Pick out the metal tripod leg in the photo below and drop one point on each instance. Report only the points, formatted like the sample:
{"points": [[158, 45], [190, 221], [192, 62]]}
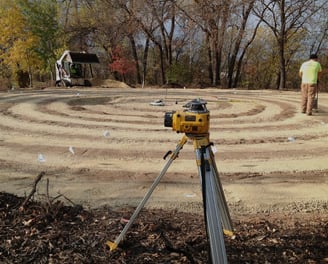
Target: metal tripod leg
{"points": [[225, 216], [174, 155], [215, 206]]}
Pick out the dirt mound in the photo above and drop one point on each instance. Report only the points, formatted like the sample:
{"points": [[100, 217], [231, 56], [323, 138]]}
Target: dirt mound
{"points": [[109, 83], [49, 231]]}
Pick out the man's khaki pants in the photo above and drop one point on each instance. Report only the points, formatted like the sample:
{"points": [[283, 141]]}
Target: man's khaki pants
{"points": [[308, 96]]}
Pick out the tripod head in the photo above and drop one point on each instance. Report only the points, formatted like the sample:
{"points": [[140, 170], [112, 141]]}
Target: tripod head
{"points": [[194, 120]]}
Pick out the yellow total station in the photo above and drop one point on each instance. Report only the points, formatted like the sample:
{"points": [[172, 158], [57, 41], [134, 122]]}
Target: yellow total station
{"points": [[195, 119]]}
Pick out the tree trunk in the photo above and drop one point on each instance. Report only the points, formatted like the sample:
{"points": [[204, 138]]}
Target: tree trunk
{"points": [[217, 68], [135, 56], [144, 62], [216, 52], [233, 58], [161, 57], [210, 61], [282, 83], [238, 70], [281, 42]]}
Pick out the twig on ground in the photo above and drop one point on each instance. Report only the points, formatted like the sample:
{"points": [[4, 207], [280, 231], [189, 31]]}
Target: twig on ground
{"points": [[56, 197], [68, 199], [48, 199], [37, 179], [170, 247]]}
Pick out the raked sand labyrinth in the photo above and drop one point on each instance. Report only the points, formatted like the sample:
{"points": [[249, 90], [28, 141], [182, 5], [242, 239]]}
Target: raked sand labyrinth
{"points": [[105, 146]]}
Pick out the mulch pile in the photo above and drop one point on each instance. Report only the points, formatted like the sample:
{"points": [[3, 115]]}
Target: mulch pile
{"points": [[50, 231]]}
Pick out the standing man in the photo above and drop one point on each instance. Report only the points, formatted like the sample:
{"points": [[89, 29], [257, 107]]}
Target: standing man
{"points": [[309, 72]]}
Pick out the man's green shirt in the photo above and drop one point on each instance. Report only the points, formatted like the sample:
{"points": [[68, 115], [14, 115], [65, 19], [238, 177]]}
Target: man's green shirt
{"points": [[310, 70]]}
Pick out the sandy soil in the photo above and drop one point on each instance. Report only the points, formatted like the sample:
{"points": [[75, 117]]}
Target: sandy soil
{"points": [[105, 146]]}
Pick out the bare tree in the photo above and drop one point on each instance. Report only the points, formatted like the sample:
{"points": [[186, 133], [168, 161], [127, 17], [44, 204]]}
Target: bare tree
{"points": [[110, 29], [157, 20], [317, 31], [285, 18], [241, 37], [212, 18]]}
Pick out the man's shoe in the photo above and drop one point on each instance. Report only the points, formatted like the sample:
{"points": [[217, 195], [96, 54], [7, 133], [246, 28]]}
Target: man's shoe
{"points": [[309, 114]]}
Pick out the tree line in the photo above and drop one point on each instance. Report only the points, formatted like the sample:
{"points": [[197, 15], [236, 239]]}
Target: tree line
{"points": [[199, 43]]}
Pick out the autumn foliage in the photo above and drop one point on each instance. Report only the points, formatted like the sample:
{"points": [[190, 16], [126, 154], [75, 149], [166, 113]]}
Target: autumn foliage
{"points": [[120, 64]]}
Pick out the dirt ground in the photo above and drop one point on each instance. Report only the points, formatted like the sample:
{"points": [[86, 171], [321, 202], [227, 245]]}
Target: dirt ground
{"points": [[104, 146]]}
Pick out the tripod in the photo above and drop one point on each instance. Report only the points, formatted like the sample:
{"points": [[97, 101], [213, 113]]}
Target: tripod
{"points": [[316, 99], [215, 205]]}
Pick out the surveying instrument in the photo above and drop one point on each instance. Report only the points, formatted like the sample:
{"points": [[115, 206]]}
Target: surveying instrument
{"points": [[194, 122]]}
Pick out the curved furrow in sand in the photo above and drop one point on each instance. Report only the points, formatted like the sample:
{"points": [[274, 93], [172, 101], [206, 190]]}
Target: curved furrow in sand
{"points": [[115, 139]]}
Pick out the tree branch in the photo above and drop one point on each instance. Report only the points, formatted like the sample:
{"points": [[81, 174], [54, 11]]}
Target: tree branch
{"points": [[37, 179]]}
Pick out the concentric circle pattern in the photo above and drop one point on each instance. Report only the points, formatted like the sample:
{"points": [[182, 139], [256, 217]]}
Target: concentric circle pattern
{"points": [[105, 146]]}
